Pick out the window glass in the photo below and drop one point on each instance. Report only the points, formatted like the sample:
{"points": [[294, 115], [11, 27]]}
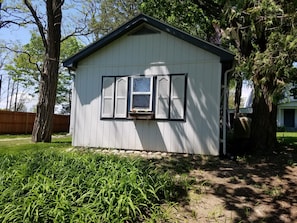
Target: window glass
{"points": [[142, 84], [141, 101]]}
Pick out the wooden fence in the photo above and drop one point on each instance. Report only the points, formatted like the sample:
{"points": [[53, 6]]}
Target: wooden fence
{"points": [[22, 122]]}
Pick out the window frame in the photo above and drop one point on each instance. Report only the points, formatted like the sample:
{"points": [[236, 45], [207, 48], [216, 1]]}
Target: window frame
{"points": [[150, 93], [151, 112]]}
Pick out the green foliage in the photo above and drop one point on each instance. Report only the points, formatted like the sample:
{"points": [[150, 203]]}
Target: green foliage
{"points": [[48, 186], [264, 38], [184, 15], [24, 66], [107, 15], [27, 64], [68, 47]]}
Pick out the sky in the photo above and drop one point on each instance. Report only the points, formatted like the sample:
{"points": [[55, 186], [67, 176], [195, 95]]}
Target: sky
{"points": [[22, 36], [15, 34]]}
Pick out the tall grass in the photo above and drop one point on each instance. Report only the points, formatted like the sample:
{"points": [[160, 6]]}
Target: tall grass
{"points": [[53, 186]]}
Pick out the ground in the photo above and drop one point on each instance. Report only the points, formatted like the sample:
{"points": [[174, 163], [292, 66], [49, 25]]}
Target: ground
{"points": [[253, 188], [256, 190]]}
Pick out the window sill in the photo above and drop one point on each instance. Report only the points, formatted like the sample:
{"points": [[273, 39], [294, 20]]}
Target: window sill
{"points": [[141, 115]]}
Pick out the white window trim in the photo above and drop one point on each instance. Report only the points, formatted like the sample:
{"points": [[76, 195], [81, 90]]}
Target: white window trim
{"points": [[150, 93]]}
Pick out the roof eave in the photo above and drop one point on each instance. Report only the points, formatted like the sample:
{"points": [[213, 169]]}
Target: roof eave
{"points": [[71, 63]]}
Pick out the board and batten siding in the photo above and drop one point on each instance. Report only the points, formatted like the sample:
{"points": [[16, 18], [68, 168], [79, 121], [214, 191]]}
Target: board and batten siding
{"points": [[150, 54]]}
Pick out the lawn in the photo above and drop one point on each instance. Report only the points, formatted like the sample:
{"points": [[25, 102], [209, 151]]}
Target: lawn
{"points": [[44, 183], [289, 138]]}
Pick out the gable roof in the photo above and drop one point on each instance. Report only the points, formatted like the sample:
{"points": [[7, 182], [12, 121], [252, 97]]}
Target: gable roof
{"points": [[72, 61]]}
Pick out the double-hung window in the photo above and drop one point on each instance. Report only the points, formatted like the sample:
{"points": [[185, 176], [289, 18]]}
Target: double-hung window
{"points": [[141, 94], [159, 96]]}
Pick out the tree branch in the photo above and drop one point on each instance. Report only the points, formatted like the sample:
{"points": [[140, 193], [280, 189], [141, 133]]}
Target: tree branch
{"points": [[23, 52], [38, 22]]}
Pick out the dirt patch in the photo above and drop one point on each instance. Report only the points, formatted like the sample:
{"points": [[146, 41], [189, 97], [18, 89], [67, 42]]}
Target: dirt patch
{"points": [[262, 189]]}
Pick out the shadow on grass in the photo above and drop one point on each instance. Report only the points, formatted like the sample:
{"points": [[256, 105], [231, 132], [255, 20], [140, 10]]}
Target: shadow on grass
{"points": [[65, 141], [261, 188]]}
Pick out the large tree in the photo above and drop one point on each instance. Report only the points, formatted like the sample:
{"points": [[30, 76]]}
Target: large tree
{"points": [[263, 33], [185, 15], [263, 36], [27, 66], [107, 15], [46, 17], [51, 38]]}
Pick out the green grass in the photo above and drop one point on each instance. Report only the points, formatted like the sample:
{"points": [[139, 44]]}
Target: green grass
{"points": [[286, 134], [21, 143], [41, 182], [44, 183], [8, 136], [287, 138]]}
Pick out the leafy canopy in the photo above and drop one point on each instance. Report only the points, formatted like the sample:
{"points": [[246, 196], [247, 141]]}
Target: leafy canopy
{"points": [[27, 65]]}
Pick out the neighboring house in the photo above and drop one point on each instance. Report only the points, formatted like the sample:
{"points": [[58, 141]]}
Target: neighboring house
{"points": [[287, 110], [149, 86], [287, 115]]}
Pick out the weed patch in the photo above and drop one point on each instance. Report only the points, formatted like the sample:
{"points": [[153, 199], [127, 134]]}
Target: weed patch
{"points": [[52, 186]]}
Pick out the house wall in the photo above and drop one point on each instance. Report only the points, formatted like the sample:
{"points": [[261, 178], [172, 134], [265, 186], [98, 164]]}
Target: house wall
{"points": [[149, 54], [281, 111]]}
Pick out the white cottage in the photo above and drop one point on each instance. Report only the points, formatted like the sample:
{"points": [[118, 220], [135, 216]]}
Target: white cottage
{"points": [[287, 110], [287, 115], [149, 86]]}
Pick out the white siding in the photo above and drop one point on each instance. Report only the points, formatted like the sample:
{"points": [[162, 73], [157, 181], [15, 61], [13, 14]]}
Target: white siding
{"points": [[150, 54], [280, 113]]}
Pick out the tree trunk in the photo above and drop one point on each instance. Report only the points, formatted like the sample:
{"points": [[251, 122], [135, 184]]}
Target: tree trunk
{"points": [[16, 96], [263, 127], [43, 124]]}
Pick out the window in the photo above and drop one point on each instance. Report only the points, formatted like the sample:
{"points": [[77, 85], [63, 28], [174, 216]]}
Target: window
{"points": [[141, 94], [161, 96]]}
